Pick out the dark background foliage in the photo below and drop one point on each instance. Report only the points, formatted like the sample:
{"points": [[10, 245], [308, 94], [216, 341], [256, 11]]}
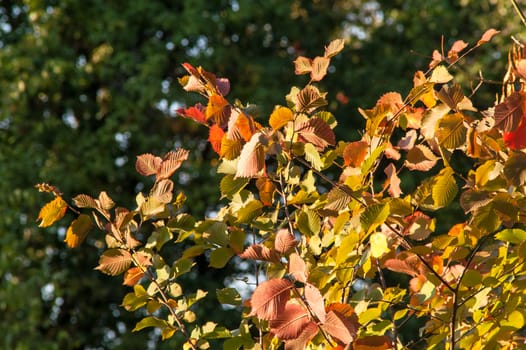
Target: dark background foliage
{"points": [[87, 86]]}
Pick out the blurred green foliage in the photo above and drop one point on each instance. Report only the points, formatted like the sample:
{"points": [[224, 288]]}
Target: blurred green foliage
{"points": [[87, 86]]}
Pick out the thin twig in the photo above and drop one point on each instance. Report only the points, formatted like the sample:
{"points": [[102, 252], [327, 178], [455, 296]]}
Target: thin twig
{"points": [[519, 11]]}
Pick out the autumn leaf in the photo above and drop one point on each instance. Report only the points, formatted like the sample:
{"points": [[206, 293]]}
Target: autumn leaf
{"points": [[260, 252], [342, 328], [215, 137], [280, 117], [401, 266], [457, 47], [284, 241], [171, 162], [77, 231], [319, 68], [132, 276], [302, 65], [393, 181], [148, 164], [355, 152], [487, 36], [85, 201], [317, 132], [52, 212], [218, 110], [252, 157], [290, 323], [114, 261], [510, 112], [270, 297], [314, 298], [298, 268], [162, 191], [308, 332], [266, 189], [195, 113], [440, 75], [420, 158], [309, 99], [373, 342], [516, 139], [379, 245], [334, 48]]}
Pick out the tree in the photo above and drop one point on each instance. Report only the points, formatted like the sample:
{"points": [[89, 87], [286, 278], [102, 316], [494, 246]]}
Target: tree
{"points": [[78, 91]]}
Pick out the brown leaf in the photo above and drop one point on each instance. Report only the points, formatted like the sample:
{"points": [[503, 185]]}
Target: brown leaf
{"points": [[354, 153], [316, 131], [373, 342], [319, 68], [162, 191], [171, 162], [487, 36], [451, 96], [77, 231], [509, 112], [284, 241], [114, 261], [252, 157], [266, 189], [309, 98], [298, 268], [314, 298], [401, 266], [260, 252], [270, 297], [345, 310], [85, 201], [290, 323], [52, 212], [420, 158], [105, 202], [341, 328], [147, 164]]}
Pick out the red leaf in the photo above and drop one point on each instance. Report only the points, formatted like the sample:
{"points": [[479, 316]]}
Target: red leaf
{"points": [[284, 241], [252, 157], [291, 322], [315, 300], [195, 112], [516, 139], [260, 252], [270, 297], [171, 162], [339, 327], [487, 36], [215, 137], [297, 267], [147, 164], [510, 112], [317, 132]]}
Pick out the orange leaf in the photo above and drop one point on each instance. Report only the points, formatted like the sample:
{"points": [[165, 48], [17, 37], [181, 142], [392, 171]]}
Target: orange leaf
{"points": [[315, 300], [373, 342], [52, 212], [308, 332], [171, 162], [334, 48], [245, 126], [355, 153], [341, 328], [487, 36], [132, 276], [215, 137], [400, 266], [266, 190], [270, 297], [77, 231], [319, 68], [284, 241], [217, 109], [291, 322], [147, 164], [393, 181], [456, 48], [195, 112], [280, 117], [114, 261], [297, 267]]}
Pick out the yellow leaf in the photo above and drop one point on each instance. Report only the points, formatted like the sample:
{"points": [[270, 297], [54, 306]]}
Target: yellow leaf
{"points": [[280, 117], [77, 231], [52, 212], [378, 245]]}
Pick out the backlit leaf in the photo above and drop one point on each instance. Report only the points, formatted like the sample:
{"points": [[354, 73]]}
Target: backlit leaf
{"points": [[194, 112], [373, 342], [342, 328], [451, 131], [309, 98], [147, 164], [509, 112], [302, 65], [516, 139], [231, 185], [290, 323], [487, 36], [299, 343], [373, 216], [231, 149], [52, 212], [316, 302], [218, 109], [260, 252], [132, 276], [280, 117], [150, 321], [78, 230], [440, 75], [444, 188], [355, 153], [312, 156], [270, 297], [401, 266], [334, 48], [284, 241], [451, 96], [379, 245], [393, 181], [338, 199], [85, 201], [298, 268], [317, 132], [171, 162], [215, 137], [114, 261], [252, 157], [516, 236], [319, 68], [162, 191], [266, 189]]}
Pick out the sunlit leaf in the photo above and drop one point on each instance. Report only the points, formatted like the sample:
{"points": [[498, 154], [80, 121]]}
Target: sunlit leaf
{"points": [[355, 153], [114, 261], [451, 96], [420, 158], [290, 323], [85, 201], [317, 132], [195, 113], [309, 98], [440, 75], [270, 297], [171, 162], [444, 188], [228, 296], [260, 252], [319, 68], [162, 191], [379, 245], [218, 109], [393, 181], [150, 321], [280, 117], [298, 268], [373, 216], [302, 65], [373, 342], [78, 230], [215, 137], [132, 276], [147, 164], [266, 189], [231, 185], [342, 328], [252, 157], [451, 131], [315, 300], [284, 241], [509, 112], [219, 257], [52, 212], [487, 36], [334, 48], [516, 236]]}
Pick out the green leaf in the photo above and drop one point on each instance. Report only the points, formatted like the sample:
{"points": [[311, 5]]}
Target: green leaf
{"points": [[231, 185], [220, 257], [182, 266], [373, 216], [249, 212], [150, 321], [229, 296], [451, 131], [135, 300], [444, 188], [308, 222], [472, 278], [370, 161], [313, 157], [512, 235]]}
